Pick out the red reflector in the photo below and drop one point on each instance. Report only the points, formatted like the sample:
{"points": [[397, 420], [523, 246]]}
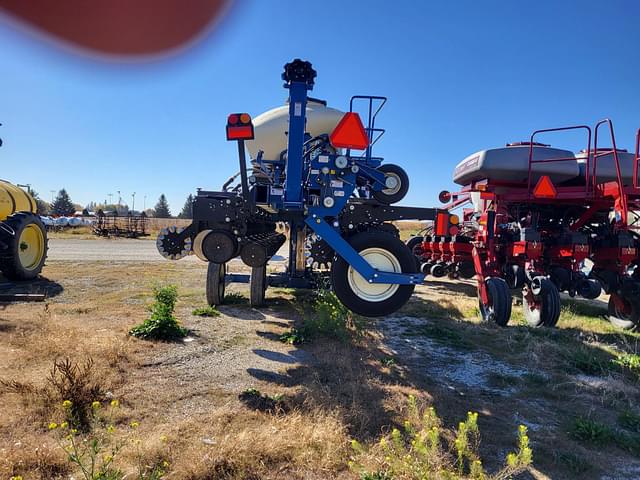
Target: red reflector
{"points": [[442, 224], [453, 231], [349, 133], [545, 188], [233, 119], [243, 132]]}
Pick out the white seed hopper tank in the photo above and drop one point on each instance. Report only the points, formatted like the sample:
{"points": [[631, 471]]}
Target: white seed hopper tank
{"points": [[606, 168], [511, 164], [270, 128]]}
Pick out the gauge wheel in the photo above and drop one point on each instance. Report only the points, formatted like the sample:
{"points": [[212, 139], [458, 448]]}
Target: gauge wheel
{"points": [[257, 286], [216, 273], [626, 318], [545, 310], [26, 250], [384, 252], [397, 184], [498, 308]]}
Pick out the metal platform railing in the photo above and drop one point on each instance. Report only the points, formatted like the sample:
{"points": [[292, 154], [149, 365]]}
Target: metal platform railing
{"points": [[373, 132], [532, 161]]}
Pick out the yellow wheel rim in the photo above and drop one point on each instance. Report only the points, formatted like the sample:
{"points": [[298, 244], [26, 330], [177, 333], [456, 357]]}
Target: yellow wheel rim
{"points": [[31, 247]]}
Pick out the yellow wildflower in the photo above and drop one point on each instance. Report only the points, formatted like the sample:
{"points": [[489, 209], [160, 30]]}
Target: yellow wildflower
{"points": [[134, 425], [16, 477], [64, 425], [111, 429], [165, 464], [163, 438], [53, 426], [115, 403], [67, 404], [95, 405]]}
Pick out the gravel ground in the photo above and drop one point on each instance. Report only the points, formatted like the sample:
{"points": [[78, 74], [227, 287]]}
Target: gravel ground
{"points": [[121, 250]]}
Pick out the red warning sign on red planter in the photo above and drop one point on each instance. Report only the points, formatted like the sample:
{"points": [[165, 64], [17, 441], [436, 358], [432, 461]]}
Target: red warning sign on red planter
{"points": [[545, 188]]}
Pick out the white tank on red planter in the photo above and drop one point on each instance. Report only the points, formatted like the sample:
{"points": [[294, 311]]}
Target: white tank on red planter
{"points": [[511, 164]]}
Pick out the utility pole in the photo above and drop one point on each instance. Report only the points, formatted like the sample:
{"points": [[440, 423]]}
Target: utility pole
{"points": [[133, 202], [119, 198], [53, 192], [144, 204], [109, 195]]}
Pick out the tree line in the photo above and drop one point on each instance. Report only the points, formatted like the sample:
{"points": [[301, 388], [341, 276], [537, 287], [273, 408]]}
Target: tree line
{"points": [[62, 205]]}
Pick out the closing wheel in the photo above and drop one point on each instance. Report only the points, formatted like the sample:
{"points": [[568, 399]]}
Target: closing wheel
{"points": [[257, 286], [498, 308], [385, 253], [622, 314], [26, 250], [216, 273], [397, 183], [541, 303]]}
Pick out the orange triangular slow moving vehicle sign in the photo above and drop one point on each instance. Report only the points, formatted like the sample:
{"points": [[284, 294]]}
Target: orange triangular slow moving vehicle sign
{"points": [[349, 133], [545, 188]]}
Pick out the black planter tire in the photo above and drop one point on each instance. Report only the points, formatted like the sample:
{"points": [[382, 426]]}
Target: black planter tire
{"points": [[215, 287], [547, 295], [26, 250], [392, 195], [412, 243], [257, 286], [498, 310], [623, 320], [382, 251]]}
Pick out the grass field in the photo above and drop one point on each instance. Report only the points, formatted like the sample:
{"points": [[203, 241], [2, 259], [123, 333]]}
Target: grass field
{"points": [[233, 401]]}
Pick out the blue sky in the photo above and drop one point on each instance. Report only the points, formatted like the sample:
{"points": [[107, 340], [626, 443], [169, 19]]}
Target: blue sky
{"points": [[460, 76]]}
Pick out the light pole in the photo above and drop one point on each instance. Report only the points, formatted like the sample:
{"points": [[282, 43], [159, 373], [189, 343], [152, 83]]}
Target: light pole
{"points": [[133, 202], [110, 195], [119, 198], [144, 204]]}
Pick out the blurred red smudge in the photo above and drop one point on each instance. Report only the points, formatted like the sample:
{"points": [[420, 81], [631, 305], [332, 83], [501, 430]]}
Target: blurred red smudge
{"points": [[120, 27]]}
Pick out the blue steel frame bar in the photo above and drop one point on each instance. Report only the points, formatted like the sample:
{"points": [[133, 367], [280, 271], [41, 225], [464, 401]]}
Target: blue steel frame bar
{"points": [[297, 117], [353, 258]]}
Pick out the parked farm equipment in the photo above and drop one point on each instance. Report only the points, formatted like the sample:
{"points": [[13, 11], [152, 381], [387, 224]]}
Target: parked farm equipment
{"points": [[23, 239], [114, 225], [544, 220], [312, 167]]}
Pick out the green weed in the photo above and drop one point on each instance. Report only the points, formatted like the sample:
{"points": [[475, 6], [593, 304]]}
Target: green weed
{"points": [[95, 454], [235, 298], [421, 450], [292, 337], [161, 325], [208, 311], [329, 317], [630, 421], [588, 430]]}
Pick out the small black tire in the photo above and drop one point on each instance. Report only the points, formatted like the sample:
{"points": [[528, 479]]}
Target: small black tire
{"points": [[392, 195], [547, 295], [216, 273], [412, 243], [623, 320], [26, 251], [382, 299], [498, 310], [257, 286]]}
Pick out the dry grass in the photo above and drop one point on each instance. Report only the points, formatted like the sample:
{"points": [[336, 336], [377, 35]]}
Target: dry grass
{"points": [[331, 391]]}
